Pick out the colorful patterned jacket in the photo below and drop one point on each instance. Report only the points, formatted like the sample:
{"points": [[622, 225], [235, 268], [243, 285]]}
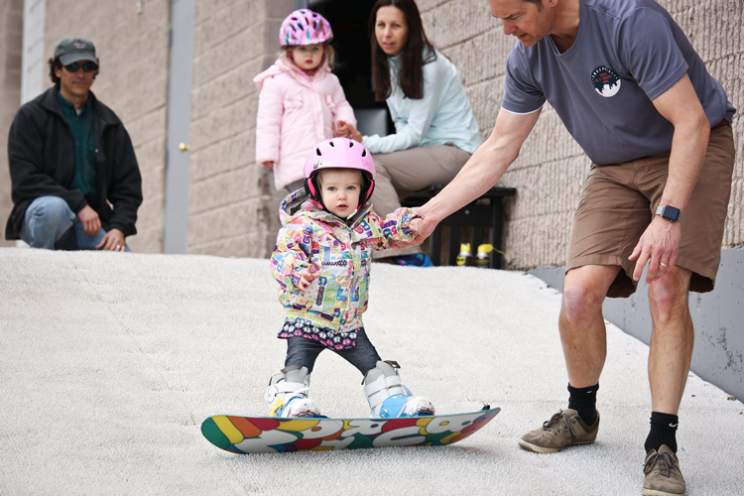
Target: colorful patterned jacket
{"points": [[341, 253]]}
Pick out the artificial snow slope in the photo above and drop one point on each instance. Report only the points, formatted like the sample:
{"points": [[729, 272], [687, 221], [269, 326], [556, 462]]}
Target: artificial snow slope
{"points": [[109, 363]]}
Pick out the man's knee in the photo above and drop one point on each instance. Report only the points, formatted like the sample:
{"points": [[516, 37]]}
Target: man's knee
{"points": [[52, 210], [668, 296], [584, 290]]}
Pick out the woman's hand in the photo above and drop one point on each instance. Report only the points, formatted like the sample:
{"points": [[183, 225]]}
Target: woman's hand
{"points": [[345, 130], [354, 134], [269, 164]]}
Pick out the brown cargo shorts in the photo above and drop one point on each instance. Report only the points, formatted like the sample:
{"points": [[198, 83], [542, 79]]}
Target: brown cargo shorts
{"points": [[618, 203]]}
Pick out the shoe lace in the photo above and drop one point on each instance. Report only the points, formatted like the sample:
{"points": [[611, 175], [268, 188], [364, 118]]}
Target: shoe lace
{"points": [[665, 464], [556, 419]]}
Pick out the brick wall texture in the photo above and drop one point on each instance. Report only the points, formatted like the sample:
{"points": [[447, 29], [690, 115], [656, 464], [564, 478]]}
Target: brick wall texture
{"points": [[133, 50], [551, 168], [232, 202], [11, 46]]}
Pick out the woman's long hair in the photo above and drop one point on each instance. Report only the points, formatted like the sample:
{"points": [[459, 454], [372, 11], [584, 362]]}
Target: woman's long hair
{"points": [[411, 78]]}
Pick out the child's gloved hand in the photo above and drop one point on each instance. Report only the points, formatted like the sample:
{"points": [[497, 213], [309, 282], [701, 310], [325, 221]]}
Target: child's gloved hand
{"points": [[269, 164], [306, 279]]}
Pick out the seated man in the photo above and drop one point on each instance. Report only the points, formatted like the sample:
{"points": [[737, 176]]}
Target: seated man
{"points": [[70, 161]]}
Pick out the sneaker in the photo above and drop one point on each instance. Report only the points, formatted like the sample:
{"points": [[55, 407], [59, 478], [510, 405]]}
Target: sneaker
{"points": [[415, 260], [565, 428], [663, 477]]}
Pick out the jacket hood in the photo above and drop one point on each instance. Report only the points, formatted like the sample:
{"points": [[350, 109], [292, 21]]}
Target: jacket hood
{"points": [[288, 67], [299, 203]]}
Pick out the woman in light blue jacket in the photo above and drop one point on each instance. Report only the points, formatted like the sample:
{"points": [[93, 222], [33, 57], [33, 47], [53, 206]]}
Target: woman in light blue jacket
{"points": [[435, 129]]}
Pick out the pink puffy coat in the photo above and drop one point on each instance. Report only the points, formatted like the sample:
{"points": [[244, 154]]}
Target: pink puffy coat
{"points": [[295, 112]]}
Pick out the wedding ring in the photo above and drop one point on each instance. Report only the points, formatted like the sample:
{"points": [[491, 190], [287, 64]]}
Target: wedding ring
{"points": [[662, 264], [118, 247]]}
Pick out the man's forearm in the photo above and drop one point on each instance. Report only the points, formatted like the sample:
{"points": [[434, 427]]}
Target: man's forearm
{"points": [[480, 173], [689, 146]]}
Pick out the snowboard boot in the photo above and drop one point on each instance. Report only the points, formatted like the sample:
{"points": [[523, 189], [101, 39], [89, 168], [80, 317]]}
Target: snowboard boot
{"points": [[388, 397], [287, 394]]}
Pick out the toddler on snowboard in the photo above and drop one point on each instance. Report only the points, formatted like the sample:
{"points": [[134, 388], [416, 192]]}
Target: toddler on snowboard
{"points": [[322, 261]]}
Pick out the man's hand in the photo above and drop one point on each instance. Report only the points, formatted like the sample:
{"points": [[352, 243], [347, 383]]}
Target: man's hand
{"points": [[91, 221], [416, 225], [422, 228], [269, 164], [659, 246], [112, 241], [306, 279]]}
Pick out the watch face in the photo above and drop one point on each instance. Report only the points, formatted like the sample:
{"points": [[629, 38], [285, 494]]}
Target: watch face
{"points": [[671, 213]]}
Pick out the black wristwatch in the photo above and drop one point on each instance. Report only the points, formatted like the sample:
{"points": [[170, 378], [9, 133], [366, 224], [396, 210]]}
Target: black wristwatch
{"points": [[669, 213]]}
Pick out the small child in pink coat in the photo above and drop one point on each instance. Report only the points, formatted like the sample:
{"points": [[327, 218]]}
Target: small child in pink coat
{"points": [[300, 100]]}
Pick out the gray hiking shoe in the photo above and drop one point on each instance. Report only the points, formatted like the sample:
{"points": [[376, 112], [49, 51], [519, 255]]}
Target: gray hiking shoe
{"points": [[565, 428], [663, 477]]}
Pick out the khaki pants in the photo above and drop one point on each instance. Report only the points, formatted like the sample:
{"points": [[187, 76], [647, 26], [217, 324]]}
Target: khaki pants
{"points": [[401, 173]]}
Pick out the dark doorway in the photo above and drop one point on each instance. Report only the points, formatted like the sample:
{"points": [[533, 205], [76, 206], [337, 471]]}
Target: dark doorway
{"points": [[349, 19]]}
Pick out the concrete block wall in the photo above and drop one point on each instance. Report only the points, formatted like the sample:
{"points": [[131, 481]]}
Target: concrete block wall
{"points": [[232, 201], [551, 169], [11, 43], [133, 48]]}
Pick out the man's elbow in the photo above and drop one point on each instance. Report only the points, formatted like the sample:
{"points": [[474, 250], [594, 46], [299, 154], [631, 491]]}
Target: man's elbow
{"points": [[500, 149]]}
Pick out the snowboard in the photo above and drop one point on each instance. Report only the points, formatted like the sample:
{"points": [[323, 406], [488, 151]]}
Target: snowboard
{"points": [[244, 435]]}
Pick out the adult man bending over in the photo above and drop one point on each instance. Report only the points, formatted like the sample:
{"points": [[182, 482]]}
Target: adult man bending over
{"points": [[631, 90], [69, 157]]}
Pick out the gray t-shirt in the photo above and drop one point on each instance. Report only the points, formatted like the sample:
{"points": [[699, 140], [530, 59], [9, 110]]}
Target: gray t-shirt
{"points": [[627, 53]]}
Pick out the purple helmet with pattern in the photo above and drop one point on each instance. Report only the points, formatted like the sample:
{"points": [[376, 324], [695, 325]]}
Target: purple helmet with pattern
{"points": [[304, 27], [340, 153]]}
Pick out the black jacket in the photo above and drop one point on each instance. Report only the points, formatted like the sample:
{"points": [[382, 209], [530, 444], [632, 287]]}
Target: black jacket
{"points": [[41, 158]]}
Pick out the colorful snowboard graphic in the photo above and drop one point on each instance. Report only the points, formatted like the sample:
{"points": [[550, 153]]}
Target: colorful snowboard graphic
{"points": [[241, 435]]}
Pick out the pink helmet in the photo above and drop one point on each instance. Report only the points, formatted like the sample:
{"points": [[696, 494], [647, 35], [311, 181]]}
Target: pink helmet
{"points": [[304, 27], [340, 153]]}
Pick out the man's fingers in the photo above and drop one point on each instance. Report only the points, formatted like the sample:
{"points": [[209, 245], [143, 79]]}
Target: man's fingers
{"points": [[640, 264], [110, 242], [672, 261], [654, 267], [636, 252]]}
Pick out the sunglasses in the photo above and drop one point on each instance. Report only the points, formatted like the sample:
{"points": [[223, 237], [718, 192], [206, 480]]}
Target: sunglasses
{"points": [[87, 67]]}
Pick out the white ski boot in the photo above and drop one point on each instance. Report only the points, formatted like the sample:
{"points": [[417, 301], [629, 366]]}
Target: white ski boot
{"points": [[388, 397], [287, 394]]}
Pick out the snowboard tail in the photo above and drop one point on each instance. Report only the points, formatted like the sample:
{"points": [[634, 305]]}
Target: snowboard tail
{"points": [[243, 435]]}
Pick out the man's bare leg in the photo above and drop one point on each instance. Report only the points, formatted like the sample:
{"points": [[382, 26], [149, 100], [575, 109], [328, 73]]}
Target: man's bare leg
{"points": [[672, 340], [583, 331], [584, 339]]}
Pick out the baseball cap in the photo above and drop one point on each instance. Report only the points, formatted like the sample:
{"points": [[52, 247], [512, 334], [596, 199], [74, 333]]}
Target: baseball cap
{"points": [[75, 49]]}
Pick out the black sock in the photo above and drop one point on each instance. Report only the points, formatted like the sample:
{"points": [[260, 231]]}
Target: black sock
{"points": [[584, 401], [663, 431]]}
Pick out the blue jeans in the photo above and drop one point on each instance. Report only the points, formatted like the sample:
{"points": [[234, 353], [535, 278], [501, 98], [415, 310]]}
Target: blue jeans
{"points": [[49, 223], [303, 351]]}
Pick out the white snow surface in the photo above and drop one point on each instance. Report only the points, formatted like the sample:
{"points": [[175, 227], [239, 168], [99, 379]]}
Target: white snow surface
{"points": [[109, 363]]}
